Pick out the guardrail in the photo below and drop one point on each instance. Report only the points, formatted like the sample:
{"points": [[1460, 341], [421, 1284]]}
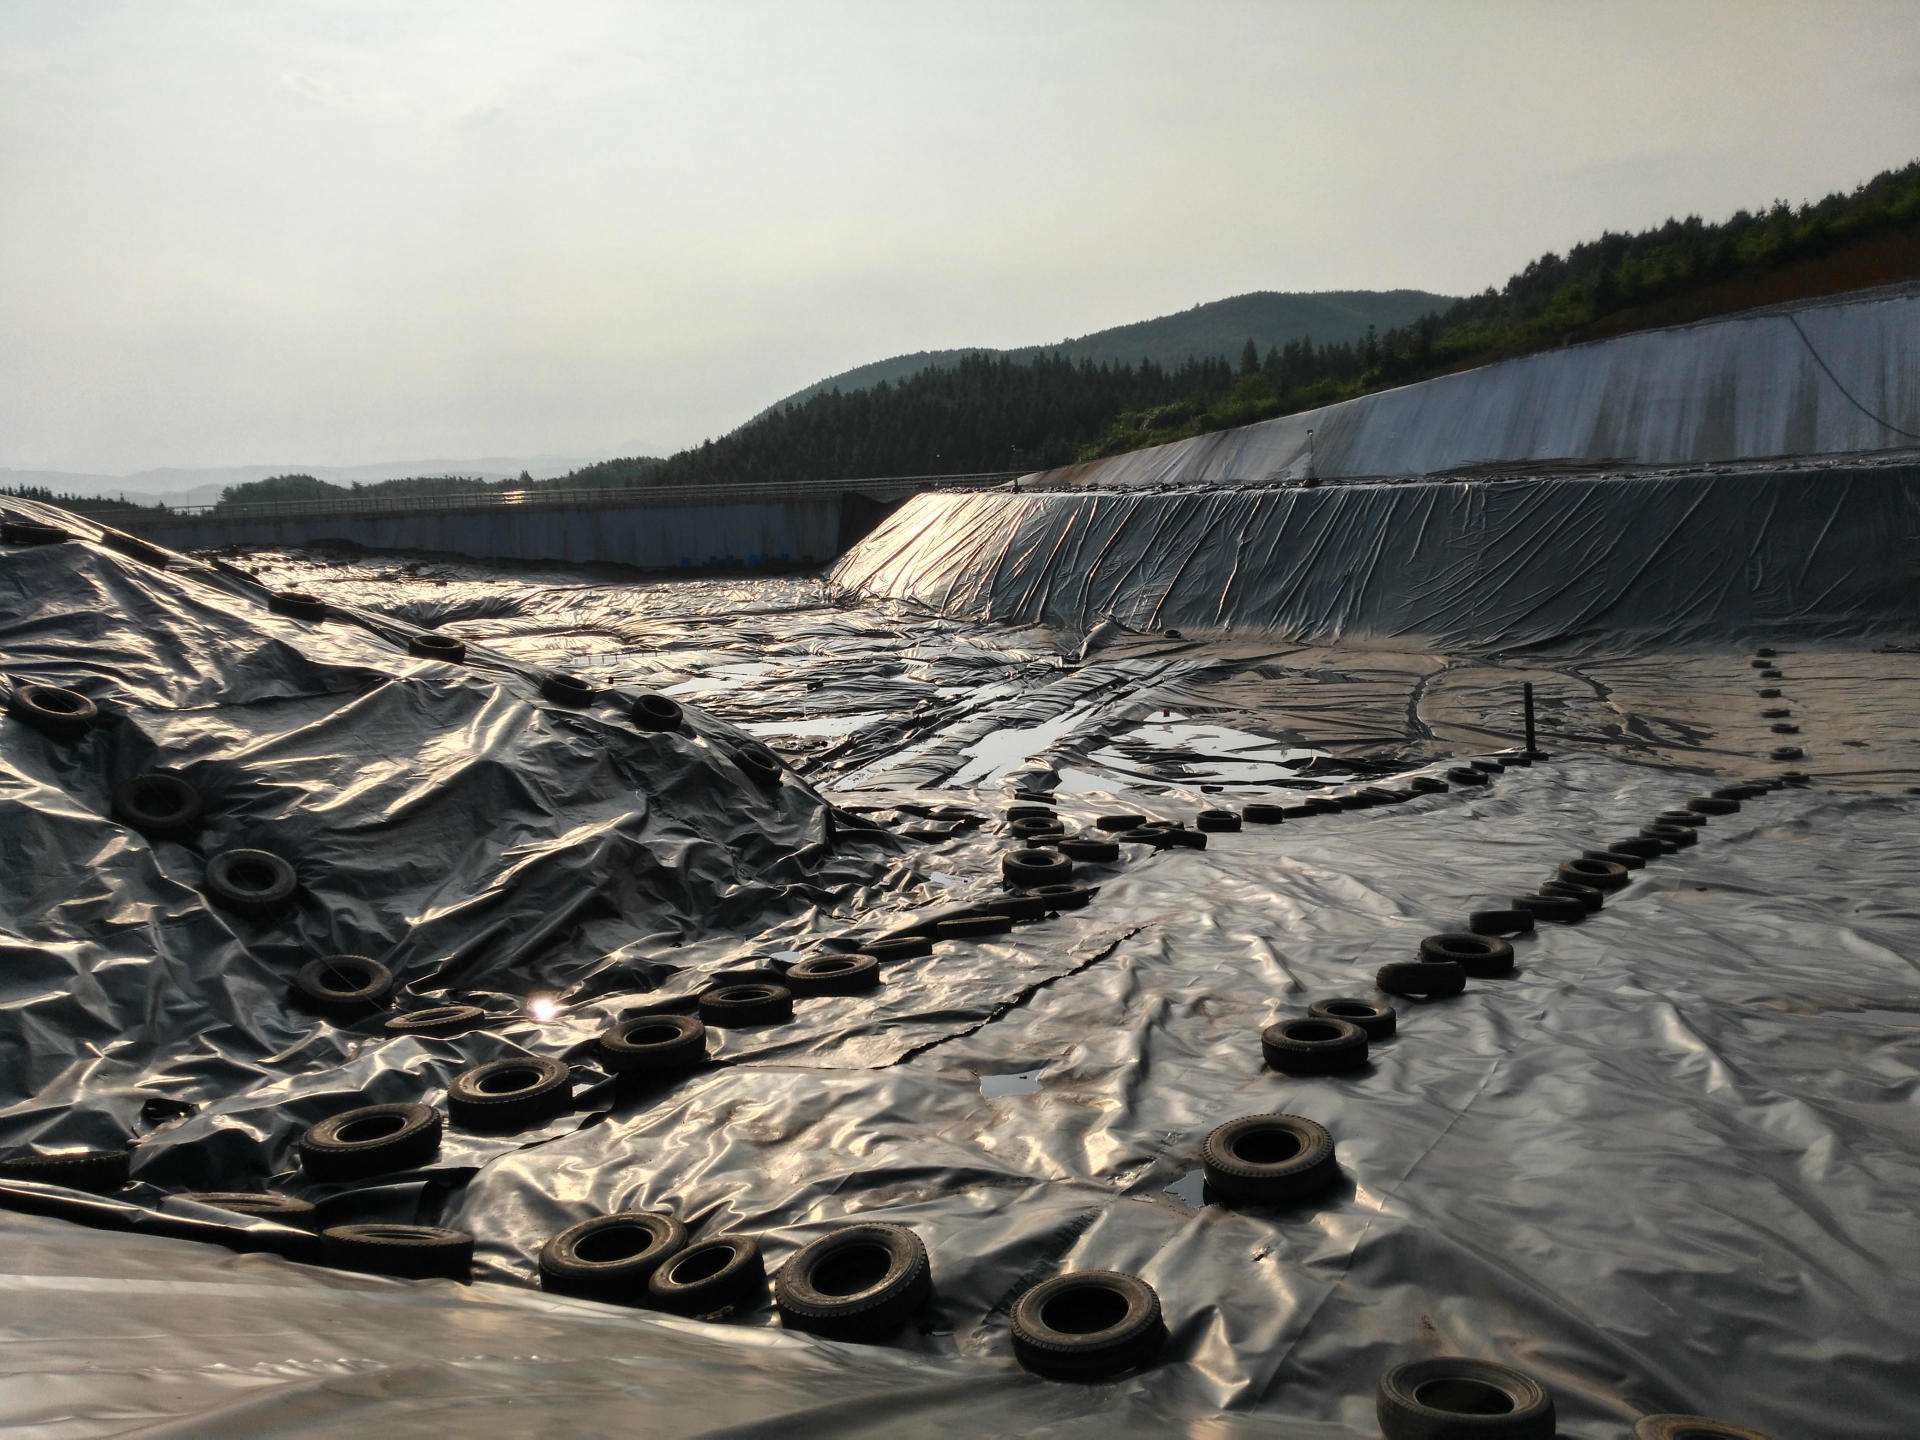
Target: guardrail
{"points": [[880, 487]]}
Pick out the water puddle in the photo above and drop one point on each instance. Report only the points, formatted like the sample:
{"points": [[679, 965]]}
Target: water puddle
{"points": [[1190, 1189], [994, 755], [1020, 1083]]}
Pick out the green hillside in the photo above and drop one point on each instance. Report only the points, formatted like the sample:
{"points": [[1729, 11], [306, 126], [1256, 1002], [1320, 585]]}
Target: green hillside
{"points": [[1269, 318]]}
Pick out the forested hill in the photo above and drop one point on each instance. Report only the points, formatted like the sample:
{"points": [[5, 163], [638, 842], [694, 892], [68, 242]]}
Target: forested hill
{"points": [[1269, 318]]}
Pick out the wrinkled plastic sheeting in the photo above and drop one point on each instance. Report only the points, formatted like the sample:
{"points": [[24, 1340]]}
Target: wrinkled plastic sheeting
{"points": [[1665, 1166], [1747, 387], [1629, 562]]}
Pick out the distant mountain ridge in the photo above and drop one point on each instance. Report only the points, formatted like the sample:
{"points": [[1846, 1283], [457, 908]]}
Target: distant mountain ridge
{"points": [[1220, 327], [182, 485]]}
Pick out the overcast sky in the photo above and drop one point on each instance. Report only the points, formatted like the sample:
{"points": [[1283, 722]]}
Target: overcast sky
{"points": [[340, 232]]}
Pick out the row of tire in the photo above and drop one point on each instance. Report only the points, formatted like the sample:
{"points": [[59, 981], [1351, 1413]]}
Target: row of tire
{"points": [[1765, 665]]}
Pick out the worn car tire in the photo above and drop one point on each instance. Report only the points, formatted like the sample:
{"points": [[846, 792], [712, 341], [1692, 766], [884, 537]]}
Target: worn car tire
{"points": [[1377, 1020], [1481, 956], [1314, 1046], [1087, 1325], [863, 1283], [1500, 922], [1217, 822], [1691, 1427], [1467, 775], [371, 1140], [437, 647], [437, 1020], [343, 985], [250, 882], [723, 1273], [1088, 847], [1119, 822], [1626, 860], [510, 1093], [657, 713], [1028, 867], [1558, 909], [261, 1204], [297, 605], [1641, 846], [1421, 979], [158, 803], [1268, 1159], [1591, 897], [1262, 813], [752, 1002], [1713, 805], [1679, 835], [413, 1252], [889, 948], [652, 1045], [834, 975], [53, 710], [569, 690], [1607, 875], [1452, 1398], [972, 927], [760, 765], [96, 1171], [611, 1257]]}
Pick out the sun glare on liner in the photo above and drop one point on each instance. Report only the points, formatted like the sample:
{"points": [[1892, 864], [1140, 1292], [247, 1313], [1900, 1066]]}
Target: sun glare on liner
{"points": [[543, 1007]]}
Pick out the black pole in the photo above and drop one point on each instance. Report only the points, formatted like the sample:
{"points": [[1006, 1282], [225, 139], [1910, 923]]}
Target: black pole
{"points": [[1526, 693]]}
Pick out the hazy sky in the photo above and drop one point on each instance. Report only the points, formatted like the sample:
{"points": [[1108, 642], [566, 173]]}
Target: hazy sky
{"points": [[235, 232]]}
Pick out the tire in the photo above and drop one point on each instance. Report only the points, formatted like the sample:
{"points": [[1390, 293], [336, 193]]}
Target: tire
{"points": [[1119, 822], [1607, 875], [652, 1045], [343, 985], [1428, 785], [1760, 664], [750, 1003], [1217, 822], [53, 711], [1268, 1159], [1158, 839], [413, 1252], [1098, 849], [611, 1257], [437, 647], [1354, 800], [1500, 922], [1691, 1427], [1451, 1398], [1490, 767], [1773, 674], [1787, 752], [1261, 813], [889, 948], [1776, 712], [1035, 867], [1590, 898], [759, 765], [1625, 859], [1677, 835], [724, 1273], [1771, 692], [1794, 777], [834, 975], [1314, 1046], [569, 690], [510, 1094], [1421, 980], [1481, 956], [1466, 775], [297, 605], [250, 882], [1692, 819], [1556, 909], [657, 713], [1065, 897], [136, 548], [98, 1172], [371, 1140], [1035, 828], [1087, 1326], [1032, 812], [1320, 805], [1641, 846], [1184, 840], [1713, 805], [1022, 906], [158, 803], [1377, 1020], [862, 1283], [437, 1020], [31, 532], [261, 1204], [1765, 652], [971, 927]]}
